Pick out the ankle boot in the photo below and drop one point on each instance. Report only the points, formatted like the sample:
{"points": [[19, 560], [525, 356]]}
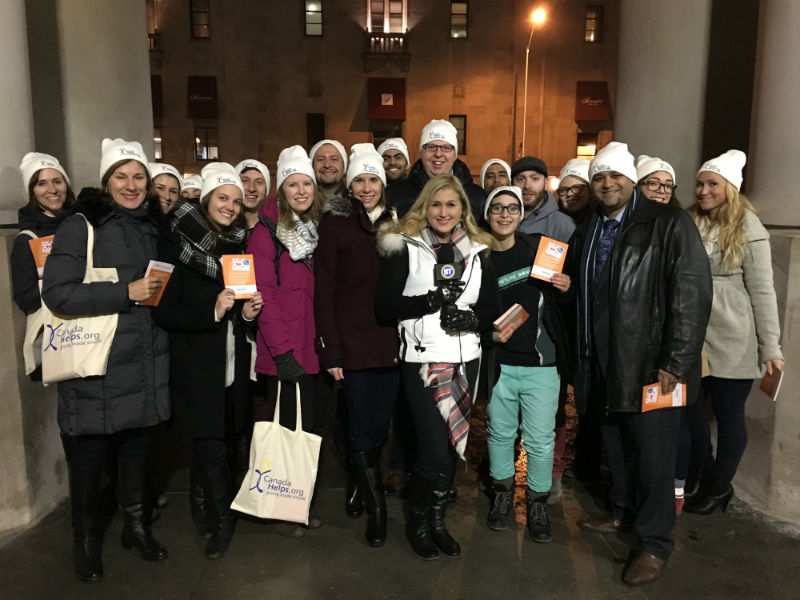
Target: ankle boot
{"points": [[502, 506], [197, 504], [220, 494], [538, 521], [136, 533], [418, 527], [368, 474], [710, 496], [353, 498], [441, 537], [86, 542]]}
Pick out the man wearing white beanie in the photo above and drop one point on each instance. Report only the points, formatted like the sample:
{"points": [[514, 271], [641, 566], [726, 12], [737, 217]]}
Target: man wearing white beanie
{"points": [[643, 287], [395, 159], [495, 172], [330, 163], [255, 181], [438, 150]]}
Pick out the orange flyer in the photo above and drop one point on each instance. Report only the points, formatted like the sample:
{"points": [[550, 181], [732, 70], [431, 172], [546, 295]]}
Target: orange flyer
{"points": [[549, 258], [653, 399], [162, 271], [40, 247], [511, 319], [239, 275]]}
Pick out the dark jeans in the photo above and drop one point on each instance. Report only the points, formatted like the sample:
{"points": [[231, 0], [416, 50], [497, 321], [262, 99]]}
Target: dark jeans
{"points": [[313, 402], [642, 448], [435, 453], [403, 447], [370, 395], [728, 398]]}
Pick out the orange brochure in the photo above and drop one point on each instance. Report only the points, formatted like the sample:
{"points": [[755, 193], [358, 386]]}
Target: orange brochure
{"points": [[771, 384], [653, 399], [511, 319], [40, 247], [549, 258], [239, 275], [162, 271]]}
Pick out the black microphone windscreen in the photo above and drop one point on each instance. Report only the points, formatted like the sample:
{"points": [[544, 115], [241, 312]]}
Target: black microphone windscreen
{"points": [[445, 254]]}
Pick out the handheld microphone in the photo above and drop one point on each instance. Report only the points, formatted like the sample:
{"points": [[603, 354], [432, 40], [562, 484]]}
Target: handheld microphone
{"points": [[446, 268]]}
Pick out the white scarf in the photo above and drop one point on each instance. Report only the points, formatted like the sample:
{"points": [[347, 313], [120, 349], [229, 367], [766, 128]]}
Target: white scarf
{"points": [[300, 240]]}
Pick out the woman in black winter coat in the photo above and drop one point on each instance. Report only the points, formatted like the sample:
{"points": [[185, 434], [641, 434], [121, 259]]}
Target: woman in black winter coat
{"points": [[209, 353], [49, 198], [111, 415]]}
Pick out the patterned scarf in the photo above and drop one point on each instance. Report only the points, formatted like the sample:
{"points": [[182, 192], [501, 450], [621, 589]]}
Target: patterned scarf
{"points": [[200, 247], [451, 398], [460, 242], [300, 240]]}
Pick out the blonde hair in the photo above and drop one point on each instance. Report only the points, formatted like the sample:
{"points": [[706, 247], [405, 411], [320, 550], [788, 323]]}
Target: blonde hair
{"points": [[729, 217], [312, 214], [416, 218]]}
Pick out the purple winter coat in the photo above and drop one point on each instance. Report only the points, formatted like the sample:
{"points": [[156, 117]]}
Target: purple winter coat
{"points": [[287, 320]]}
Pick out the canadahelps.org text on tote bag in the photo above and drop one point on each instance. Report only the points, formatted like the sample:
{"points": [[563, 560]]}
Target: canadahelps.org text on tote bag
{"points": [[283, 469]]}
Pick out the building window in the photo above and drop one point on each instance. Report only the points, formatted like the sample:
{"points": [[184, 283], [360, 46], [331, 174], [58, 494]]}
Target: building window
{"points": [[313, 17], [315, 128], [200, 11], [593, 27], [205, 143], [460, 123], [458, 19], [386, 16], [587, 146], [157, 143]]}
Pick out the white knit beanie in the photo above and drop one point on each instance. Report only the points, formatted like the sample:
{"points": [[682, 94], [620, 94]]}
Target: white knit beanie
{"points": [[493, 161], [439, 130], [252, 163], [217, 174], [650, 164], [729, 165], [157, 169], [35, 161], [508, 190], [575, 167], [365, 159], [614, 157], [193, 182], [394, 144], [294, 160], [116, 150], [333, 143]]}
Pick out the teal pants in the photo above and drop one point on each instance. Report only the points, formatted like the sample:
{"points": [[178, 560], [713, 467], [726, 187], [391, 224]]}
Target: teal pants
{"points": [[533, 393]]}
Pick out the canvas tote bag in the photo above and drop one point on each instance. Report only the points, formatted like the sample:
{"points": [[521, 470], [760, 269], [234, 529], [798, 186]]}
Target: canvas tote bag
{"points": [[283, 469], [78, 346], [32, 343]]}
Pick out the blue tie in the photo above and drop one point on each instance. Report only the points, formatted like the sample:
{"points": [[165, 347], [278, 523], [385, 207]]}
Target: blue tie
{"points": [[604, 246]]}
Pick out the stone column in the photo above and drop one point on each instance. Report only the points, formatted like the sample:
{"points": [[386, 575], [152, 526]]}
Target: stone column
{"points": [[661, 85]]}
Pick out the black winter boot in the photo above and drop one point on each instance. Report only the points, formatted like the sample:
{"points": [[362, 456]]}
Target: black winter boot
{"points": [[136, 528], [370, 481], [86, 541], [353, 498], [219, 497], [502, 505], [197, 504], [418, 527], [441, 497], [538, 521]]}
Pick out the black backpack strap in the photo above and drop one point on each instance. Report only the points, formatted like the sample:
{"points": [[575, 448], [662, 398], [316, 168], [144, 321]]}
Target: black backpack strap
{"points": [[272, 227]]}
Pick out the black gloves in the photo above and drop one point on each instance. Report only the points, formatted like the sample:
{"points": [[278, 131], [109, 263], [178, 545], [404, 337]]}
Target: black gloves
{"points": [[288, 367], [444, 294], [455, 319]]}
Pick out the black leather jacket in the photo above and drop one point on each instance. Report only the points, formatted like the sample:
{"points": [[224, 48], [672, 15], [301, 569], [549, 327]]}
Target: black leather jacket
{"points": [[659, 302]]}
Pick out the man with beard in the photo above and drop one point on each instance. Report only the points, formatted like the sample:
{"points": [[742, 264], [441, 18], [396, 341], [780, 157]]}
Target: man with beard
{"points": [[495, 172], [438, 147], [255, 181], [541, 211], [330, 164], [395, 160]]}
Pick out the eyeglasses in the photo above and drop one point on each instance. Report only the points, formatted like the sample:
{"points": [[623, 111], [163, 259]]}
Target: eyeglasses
{"points": [[573, 189], [497, 209], [443, 148], [654, 185]]}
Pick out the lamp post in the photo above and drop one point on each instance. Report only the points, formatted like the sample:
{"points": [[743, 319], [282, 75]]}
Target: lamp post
{"points": [[537, 17]]}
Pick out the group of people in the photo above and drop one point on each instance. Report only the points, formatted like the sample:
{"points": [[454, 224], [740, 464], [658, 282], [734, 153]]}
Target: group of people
{"points": [[380, 281]]}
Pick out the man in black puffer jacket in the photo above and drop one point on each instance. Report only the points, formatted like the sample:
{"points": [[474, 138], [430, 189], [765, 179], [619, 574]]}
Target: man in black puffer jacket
{"points": [[438, 147]]}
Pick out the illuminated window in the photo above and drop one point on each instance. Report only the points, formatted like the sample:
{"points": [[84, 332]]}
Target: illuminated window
{"points": [[460, 123], [587, 146], [313, 17], [200, 11], [593, 28], [386, 16], [458, 19], [157, 143], [205, 143]]}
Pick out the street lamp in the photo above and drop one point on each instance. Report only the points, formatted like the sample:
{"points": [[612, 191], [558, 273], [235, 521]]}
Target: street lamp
{"points": [[537, 17]]}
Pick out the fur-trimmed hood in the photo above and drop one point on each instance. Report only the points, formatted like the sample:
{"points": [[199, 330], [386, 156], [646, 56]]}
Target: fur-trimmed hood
{"points": [[338, 205], [389, 242]]}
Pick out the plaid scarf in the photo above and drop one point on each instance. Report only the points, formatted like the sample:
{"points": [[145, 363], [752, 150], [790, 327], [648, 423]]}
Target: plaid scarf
{"points": [[200, 248], [451, 398], [460, 242]]}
